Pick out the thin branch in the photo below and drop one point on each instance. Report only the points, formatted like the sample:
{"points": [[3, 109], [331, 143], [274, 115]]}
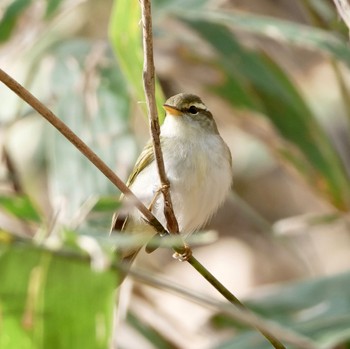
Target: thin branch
{"points": [[232, 299], [172, 224], [243, 316], [149, 87], [94, 159], [80, 145]]}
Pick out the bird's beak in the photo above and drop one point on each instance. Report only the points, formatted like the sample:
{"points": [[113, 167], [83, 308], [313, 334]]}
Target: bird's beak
{"points": [[172, 110]]}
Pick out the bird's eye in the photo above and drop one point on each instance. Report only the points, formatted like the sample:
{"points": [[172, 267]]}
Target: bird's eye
{"points": [[193, 110]]}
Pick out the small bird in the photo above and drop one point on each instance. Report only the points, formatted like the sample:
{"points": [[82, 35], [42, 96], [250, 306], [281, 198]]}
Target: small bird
{"points": [[198, 165]]}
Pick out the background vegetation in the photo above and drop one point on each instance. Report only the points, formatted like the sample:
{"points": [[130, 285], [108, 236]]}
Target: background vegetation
{"points": [[275, 74]]}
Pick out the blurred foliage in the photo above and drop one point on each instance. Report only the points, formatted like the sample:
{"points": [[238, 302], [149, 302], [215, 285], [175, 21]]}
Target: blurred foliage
{"points": [[153, 336], [94, 92], [42, 302], [316, 308], [266, 89], [126, 41], [20, 206]]}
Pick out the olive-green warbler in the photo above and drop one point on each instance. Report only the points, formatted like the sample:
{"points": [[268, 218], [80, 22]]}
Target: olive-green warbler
{"points": [[198, 165]]}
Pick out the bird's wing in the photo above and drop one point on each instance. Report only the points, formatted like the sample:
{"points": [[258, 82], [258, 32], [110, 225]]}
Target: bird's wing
{"points": [[145, 158], [119, 221]]}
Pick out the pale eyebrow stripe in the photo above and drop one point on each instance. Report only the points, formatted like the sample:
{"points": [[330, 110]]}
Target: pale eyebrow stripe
{"points": [[199, 105]]}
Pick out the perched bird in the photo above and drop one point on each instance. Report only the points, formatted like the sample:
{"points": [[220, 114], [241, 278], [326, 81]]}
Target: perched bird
{"points": [[198, 165]]}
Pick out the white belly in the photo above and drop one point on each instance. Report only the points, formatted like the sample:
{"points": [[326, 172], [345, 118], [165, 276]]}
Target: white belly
{"points": [[199, 179]]}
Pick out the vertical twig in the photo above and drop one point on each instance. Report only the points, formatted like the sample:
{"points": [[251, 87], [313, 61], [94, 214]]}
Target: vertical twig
{"points": [[149, 87], [172, 224]]}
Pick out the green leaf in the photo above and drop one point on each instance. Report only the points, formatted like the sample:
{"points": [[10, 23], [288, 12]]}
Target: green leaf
{"points": [[126, 38], [318, 309], [53, 300], [20, 206], [10, 17], [272, 93]]}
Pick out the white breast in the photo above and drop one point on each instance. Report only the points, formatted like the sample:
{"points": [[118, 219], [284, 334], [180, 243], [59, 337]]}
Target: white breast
{"points": [[199, 170]]}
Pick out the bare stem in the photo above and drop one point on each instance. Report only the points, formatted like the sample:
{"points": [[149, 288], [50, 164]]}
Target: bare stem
{"points": [[242, 315], [149, 87], [172, 224], [80, 145], [232, 299]]}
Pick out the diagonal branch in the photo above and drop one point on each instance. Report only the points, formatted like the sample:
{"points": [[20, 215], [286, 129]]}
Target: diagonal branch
{"points": [[80, 145], [241, 315]]}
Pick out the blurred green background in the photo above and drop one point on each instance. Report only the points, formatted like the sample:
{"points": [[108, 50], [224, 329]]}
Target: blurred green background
{"points": [[275, 74]]}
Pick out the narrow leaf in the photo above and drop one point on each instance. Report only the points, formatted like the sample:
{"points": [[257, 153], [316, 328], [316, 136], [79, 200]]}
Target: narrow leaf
{"points": [[125, 33], [277, 29]]}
